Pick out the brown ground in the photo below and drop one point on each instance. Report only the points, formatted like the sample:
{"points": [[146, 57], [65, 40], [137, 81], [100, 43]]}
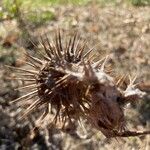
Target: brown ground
{"points": [[123, 32]]}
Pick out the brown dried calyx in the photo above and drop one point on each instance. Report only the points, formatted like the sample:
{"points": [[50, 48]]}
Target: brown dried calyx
{"points": [[69, 84]]}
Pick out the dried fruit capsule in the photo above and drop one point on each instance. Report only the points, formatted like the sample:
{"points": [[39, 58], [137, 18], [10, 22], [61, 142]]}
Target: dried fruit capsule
{"points": [[73, 86]]}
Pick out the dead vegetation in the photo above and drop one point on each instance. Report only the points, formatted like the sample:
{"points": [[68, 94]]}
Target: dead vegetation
{"points": [[124, 34]]}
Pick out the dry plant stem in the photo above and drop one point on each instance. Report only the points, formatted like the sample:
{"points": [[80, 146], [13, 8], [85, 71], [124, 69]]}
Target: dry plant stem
{"points": [[131, 133], [68, 81]]}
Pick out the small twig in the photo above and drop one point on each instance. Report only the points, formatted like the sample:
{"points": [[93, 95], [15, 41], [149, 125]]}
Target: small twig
{"points": [[131, 133]]}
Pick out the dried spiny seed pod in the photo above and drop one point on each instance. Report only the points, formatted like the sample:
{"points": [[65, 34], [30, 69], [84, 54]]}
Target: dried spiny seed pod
{"points": [[70, 85]]}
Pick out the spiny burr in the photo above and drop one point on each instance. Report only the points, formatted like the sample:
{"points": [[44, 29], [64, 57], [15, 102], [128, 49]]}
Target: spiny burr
{"points": [[69, 84]]}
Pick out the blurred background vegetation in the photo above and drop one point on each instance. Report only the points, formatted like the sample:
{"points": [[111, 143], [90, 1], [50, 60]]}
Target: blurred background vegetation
{"points": [[8, 8]]}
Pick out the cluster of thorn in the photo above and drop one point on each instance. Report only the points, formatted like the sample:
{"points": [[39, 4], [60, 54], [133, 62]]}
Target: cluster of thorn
{"points": [[67, 83]]}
